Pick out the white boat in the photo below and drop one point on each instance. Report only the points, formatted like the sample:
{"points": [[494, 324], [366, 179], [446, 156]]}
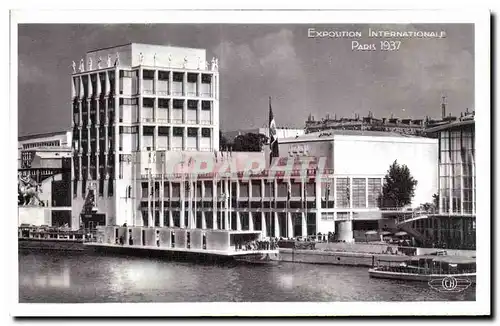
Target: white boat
{"points": [[429, 268]]}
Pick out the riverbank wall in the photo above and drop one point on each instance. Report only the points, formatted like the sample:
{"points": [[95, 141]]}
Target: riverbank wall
{"points": [[360, 254]]}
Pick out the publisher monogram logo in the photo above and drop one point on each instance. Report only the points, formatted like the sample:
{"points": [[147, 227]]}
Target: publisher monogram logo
{"points": [[449, 284]]}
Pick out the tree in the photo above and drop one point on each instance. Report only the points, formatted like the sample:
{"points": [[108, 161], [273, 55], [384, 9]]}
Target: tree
{"points": [[435, 201], [399, 187], [249, 142], [223, 143]]}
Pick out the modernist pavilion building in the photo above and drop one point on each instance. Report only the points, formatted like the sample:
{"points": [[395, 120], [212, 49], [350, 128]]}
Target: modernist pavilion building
{"points": [[145, 135]]}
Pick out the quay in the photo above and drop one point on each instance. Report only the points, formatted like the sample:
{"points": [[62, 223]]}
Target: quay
{"points": [[182, 243]]}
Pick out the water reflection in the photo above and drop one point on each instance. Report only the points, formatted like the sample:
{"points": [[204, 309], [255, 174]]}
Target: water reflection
{"points": [[58, 277]]}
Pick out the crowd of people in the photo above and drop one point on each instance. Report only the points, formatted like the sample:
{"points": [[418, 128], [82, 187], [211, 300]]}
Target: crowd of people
{"points": [[271, 244]]}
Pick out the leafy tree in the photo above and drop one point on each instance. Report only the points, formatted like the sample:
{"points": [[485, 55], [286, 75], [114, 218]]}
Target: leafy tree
{"points": [[249, 142], [435, 201], [223, 142], [399, 187]]}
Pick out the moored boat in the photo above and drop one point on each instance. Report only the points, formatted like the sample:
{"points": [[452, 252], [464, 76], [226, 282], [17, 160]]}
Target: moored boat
{"points": [[429, 268]]}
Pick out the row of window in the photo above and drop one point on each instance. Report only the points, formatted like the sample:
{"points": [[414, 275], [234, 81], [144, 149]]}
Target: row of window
{"points": [[42, 144], [164, 131]]}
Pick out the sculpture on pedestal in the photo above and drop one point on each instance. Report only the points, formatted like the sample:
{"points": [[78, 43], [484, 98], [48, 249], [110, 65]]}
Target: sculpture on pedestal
{"points": [[169, 60], [109, 60], [90, 63], [82, 65], [216, 64], [99, 60], [141, 58], [154, 60], [213, 64], [27, 192], [185, 62], [117, 60], [73, 65]]}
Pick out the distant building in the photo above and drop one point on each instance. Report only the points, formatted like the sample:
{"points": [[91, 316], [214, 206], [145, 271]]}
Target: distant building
{"points": [[44, 179], [281, 132], [368, 123], [28, 144]]}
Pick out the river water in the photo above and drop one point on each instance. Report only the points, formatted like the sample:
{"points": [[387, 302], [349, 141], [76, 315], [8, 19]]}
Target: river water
{"points": [[56, 277]]}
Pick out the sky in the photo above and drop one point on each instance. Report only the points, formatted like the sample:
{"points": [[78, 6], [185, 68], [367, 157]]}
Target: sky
{"points": [[303, 75]]}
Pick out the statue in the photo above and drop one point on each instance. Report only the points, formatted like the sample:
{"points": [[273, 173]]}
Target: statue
{"points": [[141, 58], [216, 64], [82, 65], [109, 60], [169, 59], [117, 61], [154, 60], [90, 63], [206, 65], [99, 60], [213, 64], [185, 62], [73, 65], [27, 191]]}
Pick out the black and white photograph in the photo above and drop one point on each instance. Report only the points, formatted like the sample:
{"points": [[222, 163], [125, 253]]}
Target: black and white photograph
{"points": [[292, 162]]}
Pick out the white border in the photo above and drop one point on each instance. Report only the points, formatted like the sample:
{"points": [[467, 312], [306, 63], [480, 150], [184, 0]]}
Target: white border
{"points": [[481, 306]]}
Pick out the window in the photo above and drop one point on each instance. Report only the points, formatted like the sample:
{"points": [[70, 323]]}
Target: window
{"points": [[205, 132], [127, 73], [178, 76], [343, 193], [163, 103], [178, 132], [163, 131], [374, 190], [178, 104], [148, 74], [206, 105], [148, 102], [192, 105], [163, 75], [148, 130], [128, 101], [359, 192], [206, 79], [192, 132], [129, 130]]}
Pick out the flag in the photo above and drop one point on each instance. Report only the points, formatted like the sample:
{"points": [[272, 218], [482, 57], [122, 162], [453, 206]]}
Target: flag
{"points": [[273, 139]]}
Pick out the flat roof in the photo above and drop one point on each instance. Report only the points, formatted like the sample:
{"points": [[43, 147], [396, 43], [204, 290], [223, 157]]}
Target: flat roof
{"points": [[41, 135], [450, 125], [329, 134], [132, 43]]}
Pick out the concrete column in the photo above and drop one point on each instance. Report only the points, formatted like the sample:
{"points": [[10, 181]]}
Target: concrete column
{"points": [[155, 82], [108, 84], [226, 205], [345, 231], [184, 138], [183, 206], [350, 192], [162, 201], [198, 112], [250, 221], [184, 111], [334, 189], [198, 85], [366, 192], [263, 222], [141, 84], [170, 81], [184, 83], [290, 225], [304, 224], [198, 139], [170, 136], [276, 224], [238, 221]]}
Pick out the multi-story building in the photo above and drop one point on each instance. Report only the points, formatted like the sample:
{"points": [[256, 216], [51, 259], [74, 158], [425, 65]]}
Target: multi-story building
{"points": [[321, 183], [131, 101], [455, 222], [27, 145]]}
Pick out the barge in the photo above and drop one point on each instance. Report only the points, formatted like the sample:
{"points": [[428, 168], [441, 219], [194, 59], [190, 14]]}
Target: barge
{"points": [[184, 244]]}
